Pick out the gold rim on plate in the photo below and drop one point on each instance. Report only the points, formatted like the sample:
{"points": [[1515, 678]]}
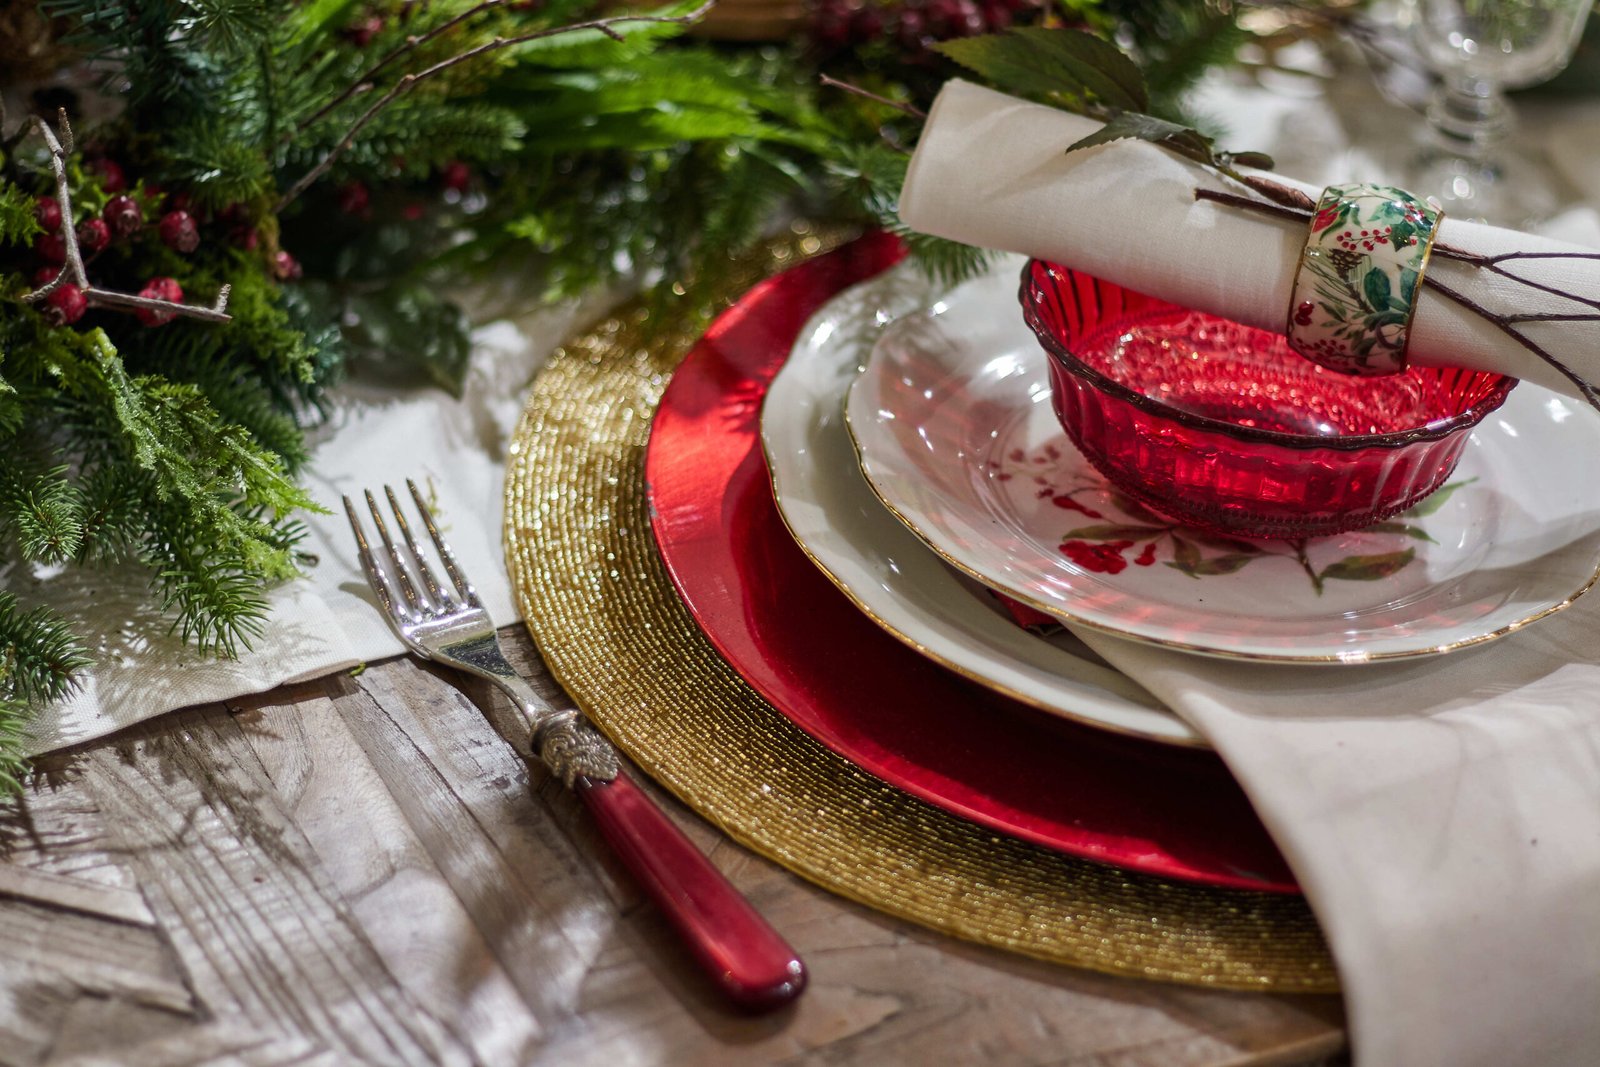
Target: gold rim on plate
{"points": [[605, 616]]}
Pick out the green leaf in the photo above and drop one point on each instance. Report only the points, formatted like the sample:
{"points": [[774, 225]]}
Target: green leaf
{"points": [[1375, 287], [1219, 541], [1405, 529], [1181, 139], [1429, 505], [1408, 286], [1258, 160], [1369, 568], [1186, 554], [1222, 564], [1111, 532], [1052, 64]]}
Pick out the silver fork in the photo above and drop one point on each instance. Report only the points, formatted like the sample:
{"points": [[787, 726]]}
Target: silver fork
{"points": [[746, 958]]}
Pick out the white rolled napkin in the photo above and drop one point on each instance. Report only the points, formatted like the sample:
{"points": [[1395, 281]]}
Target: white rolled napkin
{"points": [[991, 170], [1442, 815]]}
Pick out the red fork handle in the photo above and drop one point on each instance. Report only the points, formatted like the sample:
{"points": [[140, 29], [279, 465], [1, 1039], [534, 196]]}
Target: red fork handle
{"points": [[747, 959]]}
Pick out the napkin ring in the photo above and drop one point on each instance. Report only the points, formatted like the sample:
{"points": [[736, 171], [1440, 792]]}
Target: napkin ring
{"points": [[1359, 276]]}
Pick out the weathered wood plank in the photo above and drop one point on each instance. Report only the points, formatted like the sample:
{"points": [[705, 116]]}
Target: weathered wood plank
{"points": [[236, 889], [365, 871], [384, 872]]}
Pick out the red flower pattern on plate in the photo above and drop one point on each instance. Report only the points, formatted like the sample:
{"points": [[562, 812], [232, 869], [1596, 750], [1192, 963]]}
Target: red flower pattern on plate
{"points": [[1103, 558]]}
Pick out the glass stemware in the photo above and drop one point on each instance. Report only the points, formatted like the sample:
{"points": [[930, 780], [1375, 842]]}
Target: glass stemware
{"points": [[1479, 49]]}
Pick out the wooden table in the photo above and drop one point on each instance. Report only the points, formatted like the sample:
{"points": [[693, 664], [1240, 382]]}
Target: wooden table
{"points": [[362, 870]]}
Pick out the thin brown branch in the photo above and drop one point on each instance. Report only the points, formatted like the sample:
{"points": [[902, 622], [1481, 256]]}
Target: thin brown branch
{"points": [[106, 298], [907, 109], [364, 83], [409, 81], [72, 271], [1250, 203], [1501, 323]]}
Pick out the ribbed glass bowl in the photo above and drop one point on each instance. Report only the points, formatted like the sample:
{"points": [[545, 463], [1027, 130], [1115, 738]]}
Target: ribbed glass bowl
{"points": [[1223, 427]]}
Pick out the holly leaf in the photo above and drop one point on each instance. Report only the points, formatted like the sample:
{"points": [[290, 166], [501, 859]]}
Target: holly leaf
{"points": [[1428, 505], [1415, 532], [1408, 286], [1375, 287], [1111, 532], [1052, 64], [1369, 568], [1222, 564], [1181, 139]]}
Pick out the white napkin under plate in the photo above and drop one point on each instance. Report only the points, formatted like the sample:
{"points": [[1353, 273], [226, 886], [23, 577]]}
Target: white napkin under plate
{"points": [[1442, 815], [993, 171]]}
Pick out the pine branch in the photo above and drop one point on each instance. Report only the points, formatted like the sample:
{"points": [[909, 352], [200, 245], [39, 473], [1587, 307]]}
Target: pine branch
{"points": [[14, 717], [409, 81], [364, 83], [43, 654]]}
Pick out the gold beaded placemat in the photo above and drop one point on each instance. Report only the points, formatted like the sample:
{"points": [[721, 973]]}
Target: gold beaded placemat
{"points": [[613, 631]]}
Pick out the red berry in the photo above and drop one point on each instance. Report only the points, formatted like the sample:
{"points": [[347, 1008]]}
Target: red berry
{"points": [[413, 211], [246, 237], [997, 16], [124, 215], [968, 20], [66, 305], [52, 248], [160, 289], [48, 212], [93, 235], [286, 267], [109, 171], [353, 199], [44, 276], [178, 232], [912, 27], [866, 25], [456, 175], [361, 32]]}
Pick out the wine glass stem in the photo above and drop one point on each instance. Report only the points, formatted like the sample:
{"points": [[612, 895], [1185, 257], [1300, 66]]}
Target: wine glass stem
{"points": [[1469, 116]]}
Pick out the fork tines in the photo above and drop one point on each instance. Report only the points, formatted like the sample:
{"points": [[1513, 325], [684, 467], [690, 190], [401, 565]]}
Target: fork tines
{"points": [[419, 594]]}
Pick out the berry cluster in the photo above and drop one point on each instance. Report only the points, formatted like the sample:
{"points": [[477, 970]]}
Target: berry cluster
{"points": [[910, 27], [122, 222]]}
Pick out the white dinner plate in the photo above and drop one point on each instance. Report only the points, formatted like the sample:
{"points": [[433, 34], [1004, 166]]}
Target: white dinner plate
{"points": [[955, 433], [882, 567]]}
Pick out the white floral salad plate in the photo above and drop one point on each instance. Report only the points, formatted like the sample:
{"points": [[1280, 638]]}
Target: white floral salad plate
{"points": [[886, 570], [954, 430]]}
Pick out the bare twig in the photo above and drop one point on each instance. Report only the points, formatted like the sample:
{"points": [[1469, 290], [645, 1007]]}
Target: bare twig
{"points": [[72, 271], [1506, 323], [364, 83], [409, 81], [835, 83]]}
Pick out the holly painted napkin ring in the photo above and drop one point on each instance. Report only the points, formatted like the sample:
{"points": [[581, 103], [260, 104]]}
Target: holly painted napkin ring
{"points": [[1359, 276]]}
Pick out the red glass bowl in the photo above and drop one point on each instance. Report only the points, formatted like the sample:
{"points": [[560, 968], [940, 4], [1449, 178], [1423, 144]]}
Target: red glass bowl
{"points": [[1223, 427]]}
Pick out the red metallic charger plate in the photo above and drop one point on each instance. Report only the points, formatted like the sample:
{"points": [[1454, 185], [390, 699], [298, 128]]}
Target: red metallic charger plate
{"points": [[1160, 810]]}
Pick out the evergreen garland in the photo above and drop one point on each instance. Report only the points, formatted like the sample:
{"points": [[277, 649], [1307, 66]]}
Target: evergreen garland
{"points": [[339, 165]]}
